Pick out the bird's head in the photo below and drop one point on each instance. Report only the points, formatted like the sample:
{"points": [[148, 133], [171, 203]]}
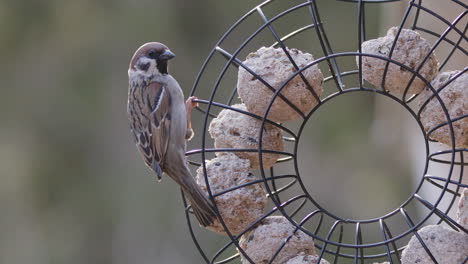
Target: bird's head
{"points": [[150, 60]]}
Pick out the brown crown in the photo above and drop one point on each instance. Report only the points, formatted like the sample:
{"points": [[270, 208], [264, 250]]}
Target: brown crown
{"points": [[144, 49]]}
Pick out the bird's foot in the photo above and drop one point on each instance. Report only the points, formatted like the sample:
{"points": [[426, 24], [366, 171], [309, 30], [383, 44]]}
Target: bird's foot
{"points": [[190, 104]]}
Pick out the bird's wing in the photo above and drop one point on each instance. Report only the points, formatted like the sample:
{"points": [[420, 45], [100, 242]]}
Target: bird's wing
{"points": [[159, 100], [153, 139]]}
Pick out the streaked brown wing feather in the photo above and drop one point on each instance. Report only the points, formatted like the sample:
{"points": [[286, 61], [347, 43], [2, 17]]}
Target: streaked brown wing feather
{"points": [[159, 100], [142, 143], [149, 110]]}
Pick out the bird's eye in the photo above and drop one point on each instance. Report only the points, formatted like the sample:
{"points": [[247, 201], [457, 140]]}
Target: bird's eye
{"points": [[151, 54]]}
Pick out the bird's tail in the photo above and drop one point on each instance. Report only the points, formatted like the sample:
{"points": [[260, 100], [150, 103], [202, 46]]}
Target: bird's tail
{"points": [[202, 207]]}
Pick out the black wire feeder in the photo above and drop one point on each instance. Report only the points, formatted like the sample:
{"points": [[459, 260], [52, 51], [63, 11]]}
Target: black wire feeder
{"points": [[329, 239]]}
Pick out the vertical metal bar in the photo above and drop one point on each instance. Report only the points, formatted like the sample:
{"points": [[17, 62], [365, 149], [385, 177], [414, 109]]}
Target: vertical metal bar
{"points": [[395, 248], [457, 190], [434, 46], [258, 77], [453, 49], [273, 183], [448, 82], [447, 219], [285, 50], [296, 229], [423, 244], [384, 236], [340, 239], [358, 252], [324, 43], [192, 234], [319, 225], [361, 38], [402, 23], [325, 243], [301, 205], [416, 17]]}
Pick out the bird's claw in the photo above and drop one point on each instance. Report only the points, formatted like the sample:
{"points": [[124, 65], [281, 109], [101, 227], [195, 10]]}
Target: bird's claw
{"points": [[190, 103]]}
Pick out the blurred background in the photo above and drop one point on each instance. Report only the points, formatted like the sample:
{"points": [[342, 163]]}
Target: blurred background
{"points": [[73, 188]]}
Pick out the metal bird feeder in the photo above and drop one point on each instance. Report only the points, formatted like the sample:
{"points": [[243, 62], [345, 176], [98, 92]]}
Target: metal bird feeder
{"points": [[329, 239]]}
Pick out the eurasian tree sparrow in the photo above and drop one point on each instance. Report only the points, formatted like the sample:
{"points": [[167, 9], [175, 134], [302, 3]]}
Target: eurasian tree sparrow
{"points": [[160, 122]]}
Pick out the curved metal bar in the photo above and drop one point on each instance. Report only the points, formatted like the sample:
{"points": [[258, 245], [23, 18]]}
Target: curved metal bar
{"points": [[325, 243], [449, 55], [395, 248], [461, 163], [369, 1], [361, 37], [372, 220], [299, 207], [451, 121], [337, 252], [441, 18], [430, 32], [325, 45], [285, 129], [460, 3], [258, 77], [259, 181], [285, 50], [358, 252], [319, 224], [403, 20], [192, 234], [438, 90], [461, 150], [287, 186], [326, 79], [229, 259], [277, 251], [384, 236], [429, 177], [292, 34], [301, 199], [448, 162], [423, 244], [455, 193], [445, 217], [196, 151], [237, 237], [220, 150], [434, 46]]}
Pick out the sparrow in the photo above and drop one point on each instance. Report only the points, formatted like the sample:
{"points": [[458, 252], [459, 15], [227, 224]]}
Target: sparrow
{"points": [[160, 123]]}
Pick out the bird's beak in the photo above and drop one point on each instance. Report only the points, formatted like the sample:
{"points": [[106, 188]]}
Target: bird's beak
{"points": [[166, 55]]}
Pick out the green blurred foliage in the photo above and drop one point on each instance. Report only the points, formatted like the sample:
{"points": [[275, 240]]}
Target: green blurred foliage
{"points": [[74, 189]]}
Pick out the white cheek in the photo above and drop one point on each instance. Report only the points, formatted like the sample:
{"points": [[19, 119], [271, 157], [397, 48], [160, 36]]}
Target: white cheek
{"points": [[152, 66], [144, 60], [150, 72]]}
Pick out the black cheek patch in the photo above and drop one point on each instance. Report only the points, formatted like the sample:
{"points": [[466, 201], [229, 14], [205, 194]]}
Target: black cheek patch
{"points": [[143, 66], [162, 66]]}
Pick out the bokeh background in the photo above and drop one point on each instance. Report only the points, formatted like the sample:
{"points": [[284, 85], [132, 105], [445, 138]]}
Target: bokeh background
{"points": [[73, 188]]}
